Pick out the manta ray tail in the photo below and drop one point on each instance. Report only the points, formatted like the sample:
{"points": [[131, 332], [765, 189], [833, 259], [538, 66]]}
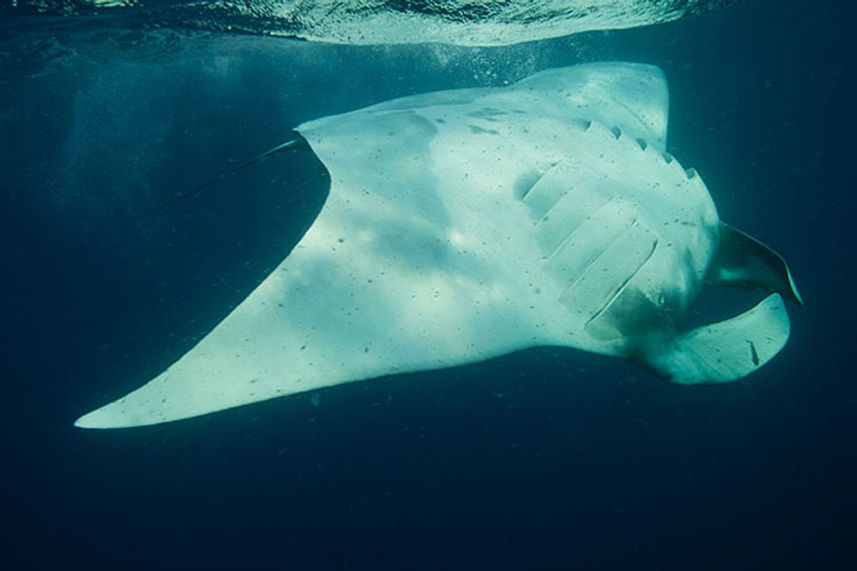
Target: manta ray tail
{"points": [[296, 143], [731, 349]]}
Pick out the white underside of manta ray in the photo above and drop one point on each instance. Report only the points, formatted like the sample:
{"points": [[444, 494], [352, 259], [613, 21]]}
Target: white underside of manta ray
{"points": [[463, 225]]}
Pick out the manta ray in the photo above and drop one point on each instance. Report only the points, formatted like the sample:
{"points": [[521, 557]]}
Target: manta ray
{"points": [[467, 224]]}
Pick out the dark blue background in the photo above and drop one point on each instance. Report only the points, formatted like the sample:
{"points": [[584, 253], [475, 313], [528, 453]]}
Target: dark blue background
{"points": [[547, 459]]}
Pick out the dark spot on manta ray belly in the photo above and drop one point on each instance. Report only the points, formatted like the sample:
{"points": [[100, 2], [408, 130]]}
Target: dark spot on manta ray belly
{"points": [[753, 354]]}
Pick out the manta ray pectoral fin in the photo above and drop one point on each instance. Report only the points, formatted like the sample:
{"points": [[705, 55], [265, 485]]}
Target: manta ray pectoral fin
{"points": [[727, 350], [744, 261]]}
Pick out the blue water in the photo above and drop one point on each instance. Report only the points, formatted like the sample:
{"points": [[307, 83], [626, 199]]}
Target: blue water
{"points": [[547, 459]]}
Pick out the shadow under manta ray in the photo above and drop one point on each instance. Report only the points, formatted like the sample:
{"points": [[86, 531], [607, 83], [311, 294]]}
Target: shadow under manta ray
{"points": [[462, 225]]}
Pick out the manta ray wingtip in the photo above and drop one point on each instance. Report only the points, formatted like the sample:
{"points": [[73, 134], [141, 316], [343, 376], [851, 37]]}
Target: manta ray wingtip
{"points": [[114, 415], [89, 420], [97, 419], [83, 422]]}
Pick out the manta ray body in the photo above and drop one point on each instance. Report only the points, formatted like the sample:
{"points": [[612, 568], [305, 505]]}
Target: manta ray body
{"points": [[463, 225]]}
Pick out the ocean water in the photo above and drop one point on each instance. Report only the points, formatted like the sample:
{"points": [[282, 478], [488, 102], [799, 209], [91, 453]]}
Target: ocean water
{"points": [[545, 459]]}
